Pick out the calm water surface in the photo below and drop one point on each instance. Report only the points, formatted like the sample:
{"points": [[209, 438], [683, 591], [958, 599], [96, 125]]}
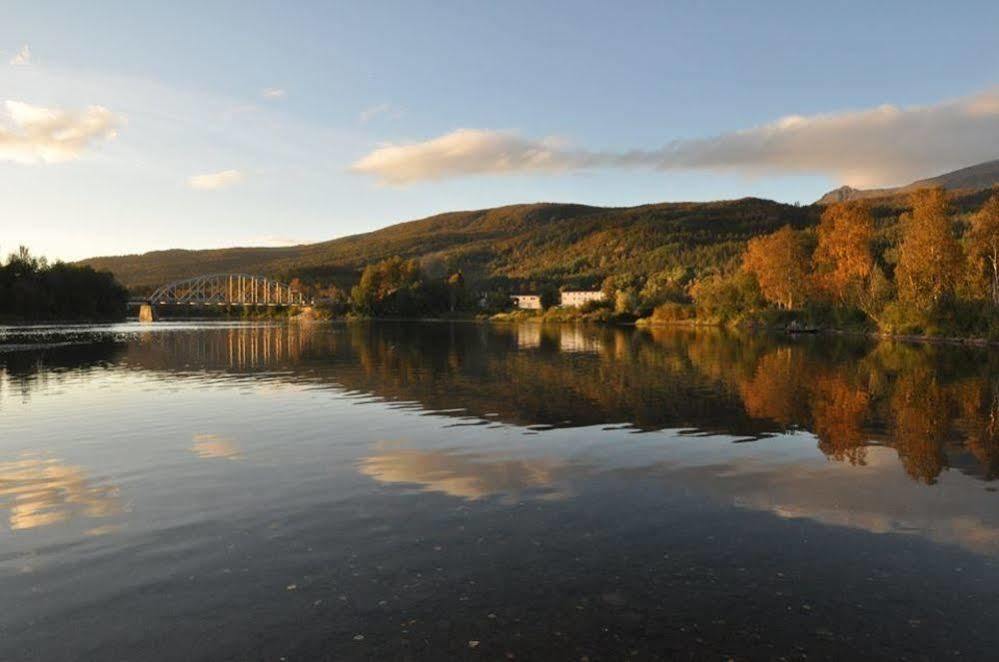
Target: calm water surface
{"points": [[217, 491]]}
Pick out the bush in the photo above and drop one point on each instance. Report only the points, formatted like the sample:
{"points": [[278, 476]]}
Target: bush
{"points": [[726, 298], [673, 312]]}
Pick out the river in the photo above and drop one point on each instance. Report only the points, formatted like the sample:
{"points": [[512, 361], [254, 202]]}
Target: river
{"points": [[217, 491]]}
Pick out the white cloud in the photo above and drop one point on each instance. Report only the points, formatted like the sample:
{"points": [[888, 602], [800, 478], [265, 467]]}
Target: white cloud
{"points": [[23, 56], [468, 152], [877, 146], [273, 93], [215, 180], [32, 134], [388, 109]]}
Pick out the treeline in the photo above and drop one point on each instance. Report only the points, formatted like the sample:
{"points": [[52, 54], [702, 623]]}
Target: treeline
{"points": [[933, 272], [31, 289], [395, 287]]}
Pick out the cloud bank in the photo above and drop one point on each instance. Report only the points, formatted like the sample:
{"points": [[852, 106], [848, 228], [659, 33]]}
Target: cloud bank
{"points": [[32, 134], [878, 146], [273, 93], [215, 180]]}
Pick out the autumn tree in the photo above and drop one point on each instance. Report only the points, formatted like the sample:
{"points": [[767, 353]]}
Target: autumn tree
{"points": [[780, 263], [983, 246], [843, 260], [929, 257], [455, 290]]}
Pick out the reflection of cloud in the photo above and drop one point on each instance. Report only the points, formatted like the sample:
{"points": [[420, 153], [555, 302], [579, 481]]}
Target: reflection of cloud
{"points": [[273, 93], [876, 498], [879, 145], [212, 446], [40, 492], [464, 475]]}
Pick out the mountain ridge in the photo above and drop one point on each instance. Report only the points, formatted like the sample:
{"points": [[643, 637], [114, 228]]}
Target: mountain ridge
{"points": [[976, 177]]}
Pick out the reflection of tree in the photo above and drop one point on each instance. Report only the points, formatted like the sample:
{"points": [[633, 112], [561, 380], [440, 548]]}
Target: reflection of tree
{"points": [[27, 370], [921, 417], [938, 406], [777, 388], [838, 409], [979, 403], [39, 492]]}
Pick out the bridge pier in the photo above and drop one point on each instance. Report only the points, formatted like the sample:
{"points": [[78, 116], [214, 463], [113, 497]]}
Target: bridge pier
{"points": [[147, 313]]}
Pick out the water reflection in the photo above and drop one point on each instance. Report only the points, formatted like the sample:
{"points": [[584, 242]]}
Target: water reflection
{"points": [[39, 491], [210, 446], [737, 491], [936, 406], [465, 475]]}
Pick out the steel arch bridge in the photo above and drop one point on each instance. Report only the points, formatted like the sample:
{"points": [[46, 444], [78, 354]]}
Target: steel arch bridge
{"points": [[226, 290]]}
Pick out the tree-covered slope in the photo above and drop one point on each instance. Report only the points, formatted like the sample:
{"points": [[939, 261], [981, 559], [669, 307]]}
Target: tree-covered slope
{"points": [[515, 245]]}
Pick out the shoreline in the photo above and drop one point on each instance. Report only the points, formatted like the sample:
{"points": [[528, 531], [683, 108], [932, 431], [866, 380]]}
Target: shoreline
{"points": [[501, 319]]}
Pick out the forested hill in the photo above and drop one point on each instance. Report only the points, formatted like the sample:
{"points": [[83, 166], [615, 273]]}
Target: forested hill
{"points": [[513, 246]]}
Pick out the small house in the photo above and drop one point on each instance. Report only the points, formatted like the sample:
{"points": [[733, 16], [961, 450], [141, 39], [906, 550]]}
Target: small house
{"points": [[576, 298], [526, 301]]}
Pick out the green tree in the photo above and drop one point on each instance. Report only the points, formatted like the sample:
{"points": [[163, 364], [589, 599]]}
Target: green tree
{"points": [[455, 290], [549, 296], [391, 287], [33, 289]]}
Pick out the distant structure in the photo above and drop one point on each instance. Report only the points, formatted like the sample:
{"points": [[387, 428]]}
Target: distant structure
{"points": [[576, 298], [227, 290], [220, 290], [527, 301], [568, 299]]}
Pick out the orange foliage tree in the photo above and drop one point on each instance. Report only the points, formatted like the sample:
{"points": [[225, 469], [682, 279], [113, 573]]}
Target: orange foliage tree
{"points": [[929, 257], [983, 245], [843, 260], [780, 263]]}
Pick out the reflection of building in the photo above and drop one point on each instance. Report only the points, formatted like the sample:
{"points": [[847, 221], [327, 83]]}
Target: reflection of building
{"points": [[528, 336], [576, 298], [39, 492], [577, 339], [527, 301]]}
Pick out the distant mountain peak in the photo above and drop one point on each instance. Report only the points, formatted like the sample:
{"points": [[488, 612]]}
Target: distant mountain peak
{"points": [[976, 177]]}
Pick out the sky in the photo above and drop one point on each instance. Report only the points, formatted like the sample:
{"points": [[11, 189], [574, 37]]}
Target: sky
{"points": [[127, 127]]}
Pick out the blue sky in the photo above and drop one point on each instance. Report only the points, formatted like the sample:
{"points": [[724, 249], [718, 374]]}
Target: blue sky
{"points": [[380, 112]]}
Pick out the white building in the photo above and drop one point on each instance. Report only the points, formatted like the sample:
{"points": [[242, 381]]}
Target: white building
{"points": [[576, 298], [527, 301]]}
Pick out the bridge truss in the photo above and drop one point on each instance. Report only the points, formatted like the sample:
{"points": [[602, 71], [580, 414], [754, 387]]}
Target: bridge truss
{"points": [[227, 290]]}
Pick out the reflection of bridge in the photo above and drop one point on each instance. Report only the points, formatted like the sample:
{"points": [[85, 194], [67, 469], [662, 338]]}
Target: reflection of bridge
{"points": [[227, 290]]}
